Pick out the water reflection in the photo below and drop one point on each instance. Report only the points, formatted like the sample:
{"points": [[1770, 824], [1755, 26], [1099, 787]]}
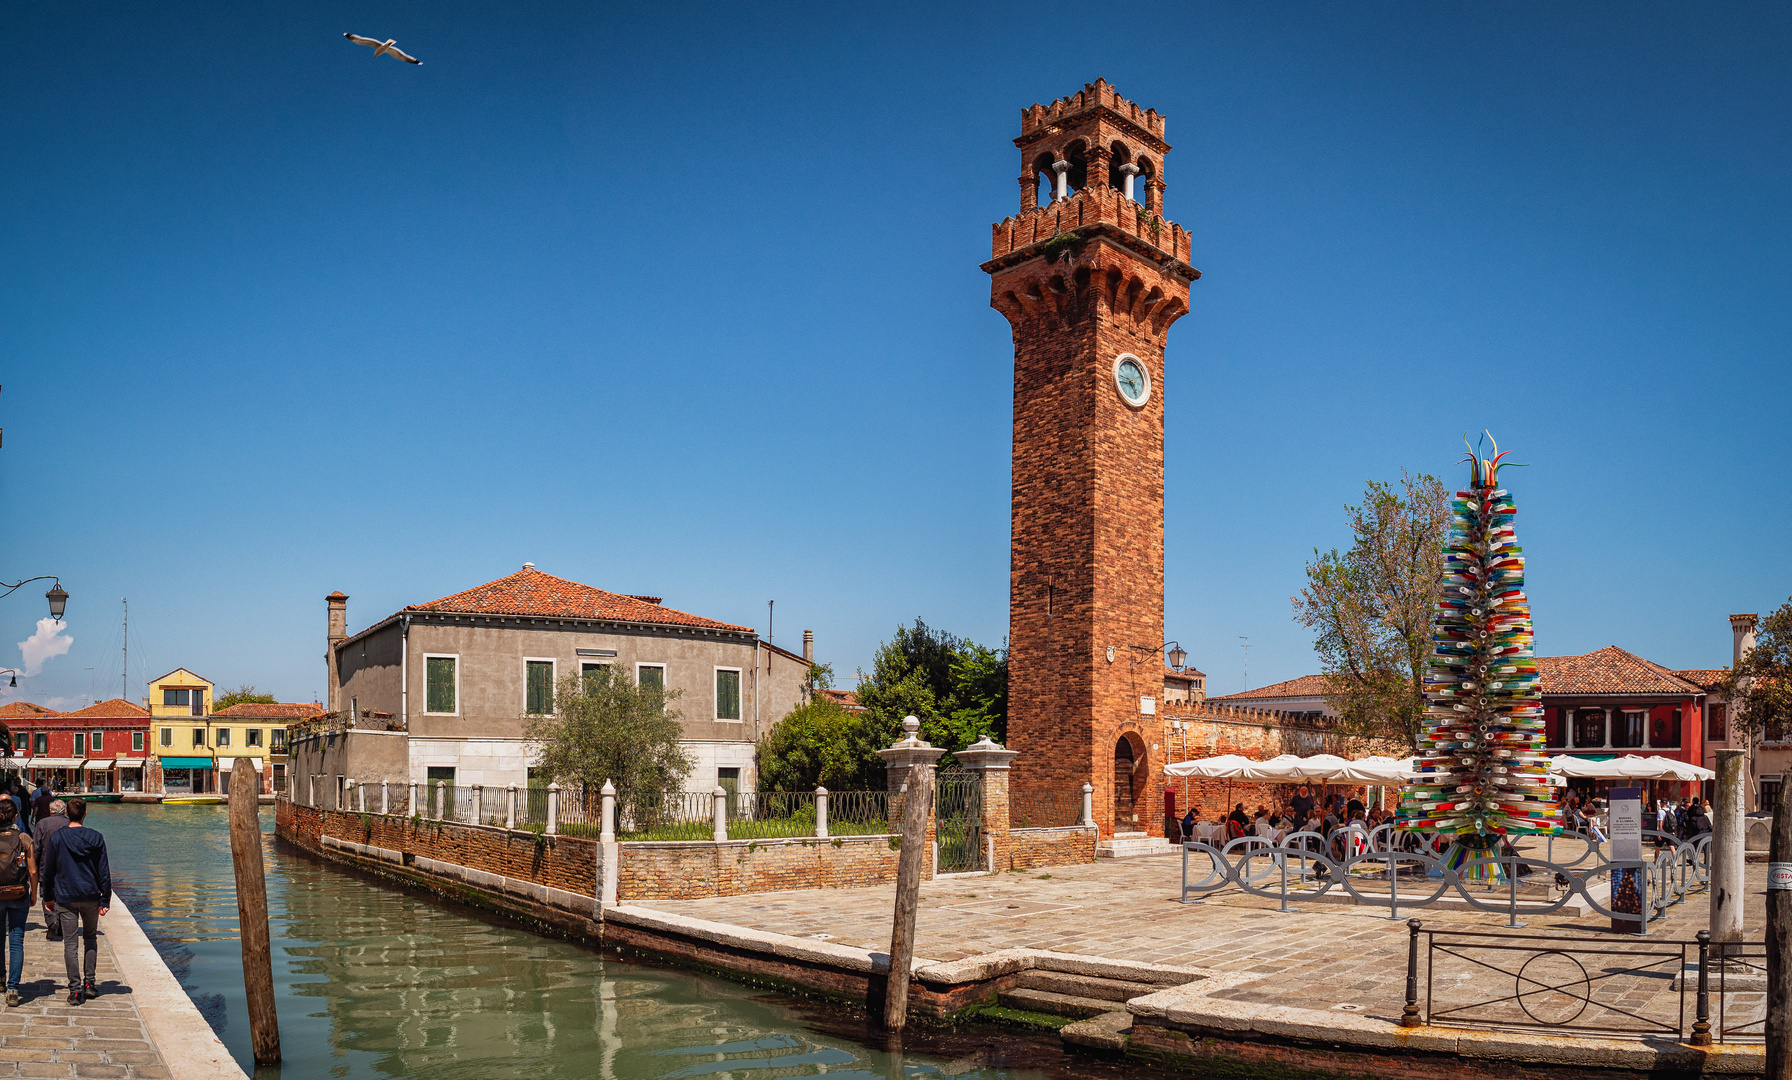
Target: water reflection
{"points": [[372, 982]]}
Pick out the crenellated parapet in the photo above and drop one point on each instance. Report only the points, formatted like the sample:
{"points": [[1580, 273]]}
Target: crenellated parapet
{"points": [[1015, 239], [1099, 94]]}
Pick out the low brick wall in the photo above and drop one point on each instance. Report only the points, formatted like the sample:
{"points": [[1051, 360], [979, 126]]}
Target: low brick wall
{"points": [[559, 862], [692, 871], [1031, 848], [685, 870]]}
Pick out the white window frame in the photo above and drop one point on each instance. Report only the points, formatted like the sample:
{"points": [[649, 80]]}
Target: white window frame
{"points": [[81, 737], [428, 656], [588, 661], [252, 737], [137, 742], [639, 665], [222, 738], [715, 692], [96, 742], [553, 681]]}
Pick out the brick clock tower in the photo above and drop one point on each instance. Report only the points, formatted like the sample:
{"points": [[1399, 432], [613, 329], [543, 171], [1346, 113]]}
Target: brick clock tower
{"points": [[1090, 277]]}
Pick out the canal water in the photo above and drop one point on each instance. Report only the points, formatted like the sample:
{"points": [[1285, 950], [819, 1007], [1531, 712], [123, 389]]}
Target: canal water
{"points": [[373, 981]]}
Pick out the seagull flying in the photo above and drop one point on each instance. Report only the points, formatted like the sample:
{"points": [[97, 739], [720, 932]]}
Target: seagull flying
{"points": [[388, 47]]}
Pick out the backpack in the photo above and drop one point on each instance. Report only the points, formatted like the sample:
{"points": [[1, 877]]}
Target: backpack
{"points": [[15, 874]]}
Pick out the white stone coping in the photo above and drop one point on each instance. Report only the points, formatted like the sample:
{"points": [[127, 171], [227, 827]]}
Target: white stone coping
{"points": [[189, 1047], [1052, 828], [577, 903], [769, 841], [1191, 1007]]}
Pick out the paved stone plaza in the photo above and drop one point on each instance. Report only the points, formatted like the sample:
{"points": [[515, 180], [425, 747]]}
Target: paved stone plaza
{"points": [[1321, 957], [45, 1036]]}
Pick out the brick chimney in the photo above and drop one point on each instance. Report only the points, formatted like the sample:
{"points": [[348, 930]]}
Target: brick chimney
{"points": [[338, 630], [1742, 635]]}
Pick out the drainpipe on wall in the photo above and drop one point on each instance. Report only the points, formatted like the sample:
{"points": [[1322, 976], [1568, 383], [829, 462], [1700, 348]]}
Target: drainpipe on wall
{"points": [[404, 680], [755, 690]]}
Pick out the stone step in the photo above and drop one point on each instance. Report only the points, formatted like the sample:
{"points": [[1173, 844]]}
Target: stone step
{"points": [[1127, 847], [1052, 1004], [1084, 986], [1105, 1032]]}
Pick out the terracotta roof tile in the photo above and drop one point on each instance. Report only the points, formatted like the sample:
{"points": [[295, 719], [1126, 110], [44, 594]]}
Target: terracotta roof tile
{"points": [[846, 699], [116, 707], [531, 592], [1185, 674], [1610, 670], [278, 710], [1705, 677], [1306, 686], [23, 710]]}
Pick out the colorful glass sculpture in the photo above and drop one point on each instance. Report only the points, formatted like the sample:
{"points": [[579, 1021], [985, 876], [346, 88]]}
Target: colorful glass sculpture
{"points": [[1481, 761]]}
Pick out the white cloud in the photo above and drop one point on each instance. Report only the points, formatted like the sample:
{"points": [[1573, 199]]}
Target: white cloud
{"points": [[50, 640]]}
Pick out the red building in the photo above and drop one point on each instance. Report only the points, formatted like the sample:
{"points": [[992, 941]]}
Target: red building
{"points": [[1610, 703], [104, 747]]}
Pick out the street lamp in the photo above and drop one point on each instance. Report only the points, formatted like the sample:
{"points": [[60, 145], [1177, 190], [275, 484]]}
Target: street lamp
{"points": [[1177, 656], [15, 676], [57, 597]]}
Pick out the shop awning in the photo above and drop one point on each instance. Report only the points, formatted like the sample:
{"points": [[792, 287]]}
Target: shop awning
{"points": [[55, 762], [225, 764], [99, 764], [130, 763], [186, 763]]}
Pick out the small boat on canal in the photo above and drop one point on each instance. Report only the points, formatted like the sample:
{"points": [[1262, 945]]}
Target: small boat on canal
{"points": [[192, 800]]}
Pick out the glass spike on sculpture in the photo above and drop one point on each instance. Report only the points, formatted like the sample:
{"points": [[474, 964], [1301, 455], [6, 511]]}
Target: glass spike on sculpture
{"points": [[1482, 771]]}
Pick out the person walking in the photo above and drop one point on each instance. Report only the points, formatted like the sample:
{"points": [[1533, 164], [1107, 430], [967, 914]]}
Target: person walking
{"points": [[40, 801], [77, 885], [40, 842], [18, 891]]}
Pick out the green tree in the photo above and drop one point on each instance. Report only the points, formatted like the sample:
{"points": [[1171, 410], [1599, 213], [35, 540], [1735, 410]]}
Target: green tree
{"points": [[818, 745], [242, 695], [1371, 607], [605, 726], [1760, 688], [957, 688]]}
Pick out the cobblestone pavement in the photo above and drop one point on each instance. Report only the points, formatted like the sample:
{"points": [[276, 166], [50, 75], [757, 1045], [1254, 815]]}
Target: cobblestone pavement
{"points": [[45, 1036], [1321, 957]]}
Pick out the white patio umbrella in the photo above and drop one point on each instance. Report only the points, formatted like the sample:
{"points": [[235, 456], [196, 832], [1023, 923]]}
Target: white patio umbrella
{"points": [[1629, 767], [1224, 767]]}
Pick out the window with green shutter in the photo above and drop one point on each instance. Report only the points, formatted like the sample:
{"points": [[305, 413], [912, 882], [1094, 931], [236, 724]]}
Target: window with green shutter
{"points": [[539, 682], [727, 694], [439, 693], [653, 675]]}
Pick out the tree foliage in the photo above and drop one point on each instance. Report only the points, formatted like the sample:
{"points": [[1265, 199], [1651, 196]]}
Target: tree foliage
{"points": [[819, 744], [605, 726], [1760, 688], [1371, 607], [242, 695], [956, 687]]}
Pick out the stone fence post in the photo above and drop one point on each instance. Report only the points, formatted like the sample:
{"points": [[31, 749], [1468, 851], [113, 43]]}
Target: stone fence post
{"points": [[442, 800], [385, 797], [1088, 805], [510, 806], [607, 835], [355, 798], [721, 813], [1727, 853], [989, 761], [821, 813], [553, 809], [478, 805], [311, 792], [909, 761], [411, 803]]}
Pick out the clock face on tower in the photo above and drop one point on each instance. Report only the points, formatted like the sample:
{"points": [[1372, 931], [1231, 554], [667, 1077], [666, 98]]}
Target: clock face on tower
{"points": [[1130, 377]]}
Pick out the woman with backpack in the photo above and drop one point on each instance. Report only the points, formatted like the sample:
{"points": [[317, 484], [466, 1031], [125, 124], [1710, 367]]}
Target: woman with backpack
{"points": [[18, 889]]}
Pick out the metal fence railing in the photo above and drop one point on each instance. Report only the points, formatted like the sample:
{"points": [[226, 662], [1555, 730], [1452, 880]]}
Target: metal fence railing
{"points": [[578, 811], [1044, 809]]}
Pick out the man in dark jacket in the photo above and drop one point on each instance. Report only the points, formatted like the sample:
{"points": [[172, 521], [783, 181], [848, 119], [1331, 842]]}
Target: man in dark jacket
{"points": [[40, 801], [40, 843], [77, 884]]}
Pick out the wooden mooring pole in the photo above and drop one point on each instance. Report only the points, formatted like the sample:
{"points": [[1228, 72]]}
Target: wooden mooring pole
{"points": [[1779, 939], [910, 762], [252, 910]]}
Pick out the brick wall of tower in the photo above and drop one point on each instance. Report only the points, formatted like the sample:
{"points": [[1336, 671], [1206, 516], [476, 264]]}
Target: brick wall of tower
{"points": [[1087, 544]]}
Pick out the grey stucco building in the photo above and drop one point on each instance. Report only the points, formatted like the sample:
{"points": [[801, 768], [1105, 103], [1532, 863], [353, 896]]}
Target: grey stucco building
{"points": [[462, 675]]}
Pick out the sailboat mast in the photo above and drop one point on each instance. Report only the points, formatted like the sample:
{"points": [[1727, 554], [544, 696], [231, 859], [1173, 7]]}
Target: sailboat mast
{"points": [[125, 679]]}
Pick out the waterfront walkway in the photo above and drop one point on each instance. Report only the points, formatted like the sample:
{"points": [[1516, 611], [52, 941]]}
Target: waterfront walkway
{"points": [[46, 1036], [1321, 957]]}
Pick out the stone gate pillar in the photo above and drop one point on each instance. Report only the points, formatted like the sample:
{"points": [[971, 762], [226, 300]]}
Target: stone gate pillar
{"points": [[908, 763], [989, 761]]}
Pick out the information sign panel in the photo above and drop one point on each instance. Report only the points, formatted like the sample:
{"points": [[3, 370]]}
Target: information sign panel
{"points": [[1627, 824]]}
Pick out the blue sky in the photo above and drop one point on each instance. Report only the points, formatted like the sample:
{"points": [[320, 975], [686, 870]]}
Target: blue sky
{"points": [[685, 300]]}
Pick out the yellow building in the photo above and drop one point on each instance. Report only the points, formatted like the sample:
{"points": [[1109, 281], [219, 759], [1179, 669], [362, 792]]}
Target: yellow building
{"points": [[258, 732], [180, 703]]}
